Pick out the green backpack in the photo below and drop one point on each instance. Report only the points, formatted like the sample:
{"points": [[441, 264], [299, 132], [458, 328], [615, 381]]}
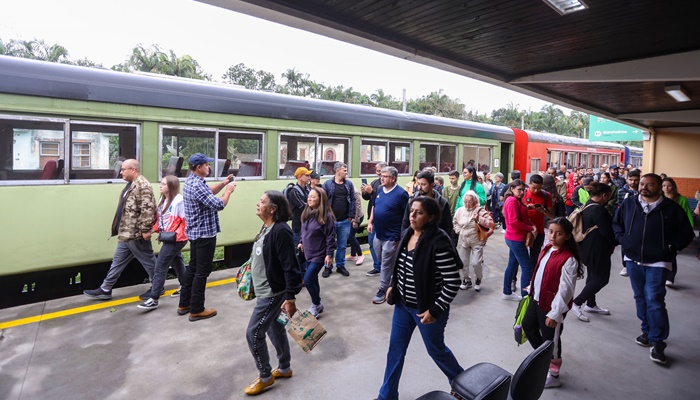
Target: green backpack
{"points": [[520, 337]]}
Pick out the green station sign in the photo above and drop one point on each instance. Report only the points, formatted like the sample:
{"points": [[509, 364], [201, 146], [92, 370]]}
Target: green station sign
{"points": [[604, 130]]}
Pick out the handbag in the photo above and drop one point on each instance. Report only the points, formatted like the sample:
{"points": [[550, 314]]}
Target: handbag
{"points": [[167, 237], [244, 282], [529, 239], [481, 232]]}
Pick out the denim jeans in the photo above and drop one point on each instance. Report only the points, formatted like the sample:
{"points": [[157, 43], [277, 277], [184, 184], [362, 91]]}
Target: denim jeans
{"points": [[536, 248], [387, 250], [195, 282], [342, 231], [403, 324], [264, 320], [140, 249], [355, 249], [170, 253], [518, 254], [648, 285], [377, 259], [311, 281]]}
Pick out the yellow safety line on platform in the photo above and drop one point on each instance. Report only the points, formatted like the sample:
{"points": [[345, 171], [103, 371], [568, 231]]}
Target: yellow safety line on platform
{"points": [[99, 306]]}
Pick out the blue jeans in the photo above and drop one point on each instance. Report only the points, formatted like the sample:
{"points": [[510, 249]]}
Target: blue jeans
{"points": [[140, 249], [648, 285], [403, 323], [377, 259], [518, 255], [170, 253], [342, 231], [311, 280]]}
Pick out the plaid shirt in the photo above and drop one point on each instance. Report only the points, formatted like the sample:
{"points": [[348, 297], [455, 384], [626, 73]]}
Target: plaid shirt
{"points": [[201, 209]]}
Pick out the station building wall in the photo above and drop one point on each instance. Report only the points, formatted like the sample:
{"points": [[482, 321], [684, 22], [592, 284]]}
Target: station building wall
{"points": [[677, 154]]}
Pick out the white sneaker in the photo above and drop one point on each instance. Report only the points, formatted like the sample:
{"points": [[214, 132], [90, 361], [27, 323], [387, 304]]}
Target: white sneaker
{"points": [[669, 283], [597, 310], [360, 259], [466, 284], [315, 310], [552, 382], [512, 297], [148, 305], [624, 271], [350, 258], [503, 231], [577, 312], [477, 285]]}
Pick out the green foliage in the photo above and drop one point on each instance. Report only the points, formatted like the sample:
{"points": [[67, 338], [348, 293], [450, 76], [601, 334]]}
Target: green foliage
{"points": [[152, 59], [249, 78]]}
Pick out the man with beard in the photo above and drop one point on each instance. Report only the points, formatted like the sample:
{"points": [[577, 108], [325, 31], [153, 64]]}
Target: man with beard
{"points": [[628, 190], [425, 182], [617, 179], [651, 229]]}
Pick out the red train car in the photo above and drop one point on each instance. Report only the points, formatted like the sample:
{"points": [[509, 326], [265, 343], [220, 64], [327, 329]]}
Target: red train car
{"points": [[536, 151]]}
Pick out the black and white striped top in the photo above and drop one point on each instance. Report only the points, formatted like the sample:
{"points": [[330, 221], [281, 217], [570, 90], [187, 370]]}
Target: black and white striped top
{"points": [[446, 279]]}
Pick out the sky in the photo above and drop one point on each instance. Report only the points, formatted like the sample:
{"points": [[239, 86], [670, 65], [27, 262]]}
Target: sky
{"points": [[106, 31]]}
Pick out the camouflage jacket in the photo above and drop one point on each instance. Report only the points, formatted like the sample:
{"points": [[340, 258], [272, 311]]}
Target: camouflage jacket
{"points": [[138, 212]]}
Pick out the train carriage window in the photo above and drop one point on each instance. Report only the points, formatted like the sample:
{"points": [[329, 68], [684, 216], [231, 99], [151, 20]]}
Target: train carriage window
{"points": [[319, 153], [595, 160], [400, 157], [440, 156], [606, 159], [478, 157], [553, 159], [571, 160], [584, 161], [614, 160], [179, 143], [240, 153], [535, 165], [371, 152], [31, 149], [97, 148]]}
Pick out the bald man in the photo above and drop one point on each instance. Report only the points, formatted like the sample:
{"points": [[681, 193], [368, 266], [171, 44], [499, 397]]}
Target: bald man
{"points": [[132, 226]]}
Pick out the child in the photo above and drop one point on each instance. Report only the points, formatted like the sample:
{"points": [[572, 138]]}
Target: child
{"points": [[552, 292]]}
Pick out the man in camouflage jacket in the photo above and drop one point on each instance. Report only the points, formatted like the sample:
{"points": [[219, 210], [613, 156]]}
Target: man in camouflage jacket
{"points": [[132, 226]]}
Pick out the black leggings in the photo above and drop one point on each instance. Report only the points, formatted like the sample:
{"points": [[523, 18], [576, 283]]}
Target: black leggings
{"points": [[597, 277], [535, 329]]}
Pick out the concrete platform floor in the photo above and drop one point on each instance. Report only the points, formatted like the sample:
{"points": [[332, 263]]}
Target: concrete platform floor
{"points": [[120, 352]]}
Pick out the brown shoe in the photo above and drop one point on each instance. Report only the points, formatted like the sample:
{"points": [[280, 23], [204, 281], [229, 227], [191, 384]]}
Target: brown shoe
{"points": [[183, 310], [258, 386], [207, 313], [277, 374]]}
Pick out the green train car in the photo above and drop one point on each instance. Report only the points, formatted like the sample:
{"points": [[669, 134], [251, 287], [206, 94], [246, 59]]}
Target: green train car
{"points": [[65, 129]]}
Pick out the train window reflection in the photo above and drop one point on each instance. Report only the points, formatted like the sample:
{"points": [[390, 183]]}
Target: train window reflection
{"points": [[98, 150], [180, 143], [31, 149], [240, 154], [396, 154], [478, 157]]}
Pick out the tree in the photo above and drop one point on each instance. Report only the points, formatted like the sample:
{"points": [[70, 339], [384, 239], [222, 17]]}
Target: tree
{"points": [[156, 61], [249, 78], [36, 49], [508, 116], [439, 104]]}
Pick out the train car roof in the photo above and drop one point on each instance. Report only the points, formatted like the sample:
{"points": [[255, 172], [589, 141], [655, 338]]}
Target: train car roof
{"points": [[545, 137], [45, 79]]}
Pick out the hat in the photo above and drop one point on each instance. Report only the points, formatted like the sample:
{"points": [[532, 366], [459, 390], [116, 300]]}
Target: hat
{"points": [[199, 159], [302, 171], [314, 175]]}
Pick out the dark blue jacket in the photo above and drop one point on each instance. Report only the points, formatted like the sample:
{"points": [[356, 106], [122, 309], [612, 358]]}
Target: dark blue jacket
{"points": [[625, 192], [329, 187], [653, 237]]}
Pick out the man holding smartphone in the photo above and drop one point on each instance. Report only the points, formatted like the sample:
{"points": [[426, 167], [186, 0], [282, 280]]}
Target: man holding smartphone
{"points": [[539, 205]]}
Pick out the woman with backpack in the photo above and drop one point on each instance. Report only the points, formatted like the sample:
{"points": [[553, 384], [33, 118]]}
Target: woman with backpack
{"points": [[596, 249], [470, 246], [552, 290]]}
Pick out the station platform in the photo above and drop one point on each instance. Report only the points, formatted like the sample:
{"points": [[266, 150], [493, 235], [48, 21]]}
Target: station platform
{"points": [[79, 348]]}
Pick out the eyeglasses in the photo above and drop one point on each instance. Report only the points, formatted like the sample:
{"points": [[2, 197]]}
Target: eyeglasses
{"points": [[386, 176], [124, 169]]}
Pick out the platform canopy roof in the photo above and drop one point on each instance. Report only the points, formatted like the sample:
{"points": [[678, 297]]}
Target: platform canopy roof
{"points": [[615, 59]]}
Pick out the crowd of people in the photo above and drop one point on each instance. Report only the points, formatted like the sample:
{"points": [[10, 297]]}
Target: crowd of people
{"points": [[427, 242]]}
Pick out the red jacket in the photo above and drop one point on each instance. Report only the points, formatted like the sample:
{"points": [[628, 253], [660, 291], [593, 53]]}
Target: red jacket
{"points": [[551, 277]]}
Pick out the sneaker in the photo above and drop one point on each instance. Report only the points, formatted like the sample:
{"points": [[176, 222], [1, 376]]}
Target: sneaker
{"points": [[380, 297], [656, 354], [177, 292], [148, 305], [259, 385], [596, 310], [503, 231], [642, 340], [98, 294], [207, 313], [477, 285], [498, 225], [512, 297], [552, 382], [372, 272], [578, 313], [623, 272], [326, 272], [279, 374], [343, 271], [315, 310], [360, 259], [669, 283], [350, 258], [466, 284]]}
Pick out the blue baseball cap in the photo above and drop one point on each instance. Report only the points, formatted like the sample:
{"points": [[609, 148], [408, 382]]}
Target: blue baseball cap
{"points": [[199, 159]]}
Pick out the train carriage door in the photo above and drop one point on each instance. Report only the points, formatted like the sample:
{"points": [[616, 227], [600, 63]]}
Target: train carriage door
{"points": [[505, 159]]}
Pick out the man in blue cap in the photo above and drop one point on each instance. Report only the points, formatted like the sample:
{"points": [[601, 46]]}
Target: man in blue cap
{"points": [[202, 219]]}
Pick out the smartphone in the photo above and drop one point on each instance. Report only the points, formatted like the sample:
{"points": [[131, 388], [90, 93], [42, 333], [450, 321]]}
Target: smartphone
{"points": [[539, 205], [364, 181]]}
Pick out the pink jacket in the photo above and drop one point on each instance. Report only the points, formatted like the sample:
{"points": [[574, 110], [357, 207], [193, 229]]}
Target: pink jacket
{"points": [[517, 222]]}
